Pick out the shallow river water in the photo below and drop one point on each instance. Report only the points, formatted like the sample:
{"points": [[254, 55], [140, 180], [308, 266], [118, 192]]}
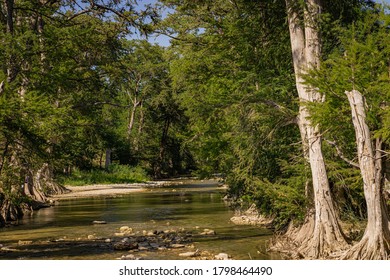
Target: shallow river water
{"points": [[190, 206]]}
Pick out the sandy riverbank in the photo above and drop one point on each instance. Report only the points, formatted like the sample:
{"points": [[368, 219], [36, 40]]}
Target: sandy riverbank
{"points": [[111, 190]]}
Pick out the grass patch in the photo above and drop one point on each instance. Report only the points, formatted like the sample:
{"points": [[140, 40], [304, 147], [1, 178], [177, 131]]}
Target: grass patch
{"points": [[116, 174]]}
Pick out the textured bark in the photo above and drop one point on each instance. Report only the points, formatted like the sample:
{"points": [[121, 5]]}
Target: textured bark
{"points": [[44, 181], [375, 243], [321, 234], [108, 158], [140, 128], [158, 168]]}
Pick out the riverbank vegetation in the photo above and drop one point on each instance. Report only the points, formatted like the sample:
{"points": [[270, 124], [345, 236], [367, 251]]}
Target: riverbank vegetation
{"points": [[289, 100], [115, 174]]}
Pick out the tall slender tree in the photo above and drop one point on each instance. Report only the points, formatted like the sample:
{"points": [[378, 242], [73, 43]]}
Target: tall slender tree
{"points": [[356, 79], [321, 232]]}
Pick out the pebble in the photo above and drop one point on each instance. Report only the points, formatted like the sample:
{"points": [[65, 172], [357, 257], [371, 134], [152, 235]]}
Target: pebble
{"points": [[24, 242], [208, 232], [123, 246], [190, 254], [128, 257], [99, 222], [125, 229], [221, 256], [176, 246]]}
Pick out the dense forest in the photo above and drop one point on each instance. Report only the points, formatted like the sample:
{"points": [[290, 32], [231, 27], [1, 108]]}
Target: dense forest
{"points": [[287, 100]]}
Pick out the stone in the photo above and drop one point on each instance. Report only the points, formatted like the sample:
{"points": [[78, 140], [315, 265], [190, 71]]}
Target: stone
{"points": [[177, 246], [251, 217], [126, 229], [207, 231], [108, 240], [24, 242], [99, 222], [190, 254], [221, 256], [128, 257], [142, 248], [91, 237], [125, 246]]}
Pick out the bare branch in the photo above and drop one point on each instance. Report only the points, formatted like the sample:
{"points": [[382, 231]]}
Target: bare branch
{"points": [[1, 88], [341, 155]]}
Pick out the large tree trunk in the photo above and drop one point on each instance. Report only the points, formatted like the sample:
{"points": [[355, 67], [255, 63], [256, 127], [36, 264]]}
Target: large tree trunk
{"points": [[321, 234], [375, 243]]}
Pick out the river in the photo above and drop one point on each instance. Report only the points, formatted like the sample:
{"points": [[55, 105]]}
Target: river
{"points": [[57, 232]]}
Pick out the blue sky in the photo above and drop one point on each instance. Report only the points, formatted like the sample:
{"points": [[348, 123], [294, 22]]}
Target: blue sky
{"points": [[164, 40]]}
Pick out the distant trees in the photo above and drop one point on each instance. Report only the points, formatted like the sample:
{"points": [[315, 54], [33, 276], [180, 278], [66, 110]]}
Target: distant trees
{"points": [[63, 101]]}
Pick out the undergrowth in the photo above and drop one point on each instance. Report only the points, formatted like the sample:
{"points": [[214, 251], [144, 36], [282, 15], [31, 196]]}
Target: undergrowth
{"points": [[116, 174]]}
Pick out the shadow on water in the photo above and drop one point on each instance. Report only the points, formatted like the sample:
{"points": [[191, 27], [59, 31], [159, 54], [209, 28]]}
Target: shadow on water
{"points": [[61, 250]]}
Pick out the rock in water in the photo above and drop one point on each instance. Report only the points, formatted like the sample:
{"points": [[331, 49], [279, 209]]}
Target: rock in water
{"points": [[190, 254], [124, 246], [176, 246], [221, 256], [126, 229], [128, 257], [99, 222], [207, 231], [24, 242]]}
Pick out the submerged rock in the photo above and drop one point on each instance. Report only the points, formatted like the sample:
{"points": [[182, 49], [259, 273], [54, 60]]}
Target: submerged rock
{"points": [[125, 246]]}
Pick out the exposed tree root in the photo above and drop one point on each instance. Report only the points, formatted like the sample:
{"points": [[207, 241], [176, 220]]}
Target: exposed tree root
{"points": [[310, 241], [373, 246], [9, 212], [44, 181], [368, 249]]}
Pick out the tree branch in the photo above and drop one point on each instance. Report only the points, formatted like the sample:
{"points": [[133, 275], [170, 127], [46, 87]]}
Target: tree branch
{"points": [[1, 88], [341, 155]]}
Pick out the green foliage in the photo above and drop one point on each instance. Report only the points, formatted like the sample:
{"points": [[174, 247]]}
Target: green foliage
{"points": [[116, 174], [284, 199]]}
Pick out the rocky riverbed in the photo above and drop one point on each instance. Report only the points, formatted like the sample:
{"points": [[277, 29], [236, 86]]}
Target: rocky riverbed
{"points": [[129, 245]]}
